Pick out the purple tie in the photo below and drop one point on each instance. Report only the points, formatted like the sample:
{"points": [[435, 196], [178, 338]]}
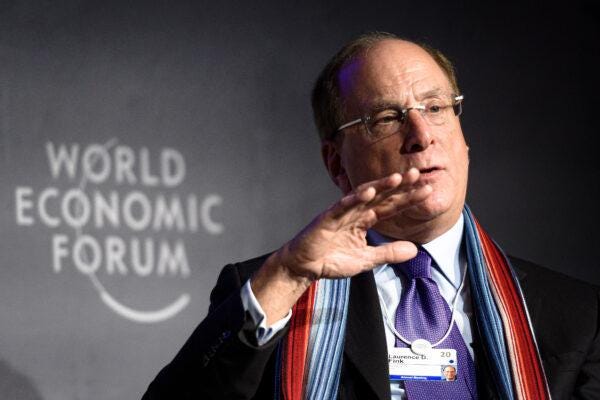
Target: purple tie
{"points": [[424, 314]]}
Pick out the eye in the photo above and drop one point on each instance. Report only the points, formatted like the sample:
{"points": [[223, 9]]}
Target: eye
{"points": [[435, 107], [385, 117]]}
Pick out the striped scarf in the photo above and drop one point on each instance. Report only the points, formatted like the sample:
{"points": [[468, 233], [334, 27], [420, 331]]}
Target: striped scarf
{"points": [[309, 359]]}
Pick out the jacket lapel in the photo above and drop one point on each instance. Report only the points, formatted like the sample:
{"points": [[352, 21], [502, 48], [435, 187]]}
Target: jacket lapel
{"points": [[365, 343], [533, 302]]}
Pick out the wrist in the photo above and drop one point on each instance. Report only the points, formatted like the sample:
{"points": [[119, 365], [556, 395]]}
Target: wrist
{"points": [[277, 268], [277, 287]]}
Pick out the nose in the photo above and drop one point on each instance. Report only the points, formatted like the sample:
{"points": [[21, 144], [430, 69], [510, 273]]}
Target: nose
{"points": [[418, 136]]}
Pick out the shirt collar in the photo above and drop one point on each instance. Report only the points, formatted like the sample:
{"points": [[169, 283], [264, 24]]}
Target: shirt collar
{"points": [[445, 250]]}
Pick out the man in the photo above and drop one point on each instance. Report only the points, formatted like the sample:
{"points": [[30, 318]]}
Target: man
{"points": [[449, 373], [388, 114]]}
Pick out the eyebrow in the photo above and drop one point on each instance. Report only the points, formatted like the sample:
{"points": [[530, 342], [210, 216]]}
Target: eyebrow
{"points": [[382, 104], [431, 93]]}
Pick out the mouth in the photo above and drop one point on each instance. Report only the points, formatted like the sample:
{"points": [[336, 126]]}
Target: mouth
{"points": [[429, 171]]}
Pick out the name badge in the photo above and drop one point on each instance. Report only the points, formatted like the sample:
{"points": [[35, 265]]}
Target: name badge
{"points": [[435, 365]]}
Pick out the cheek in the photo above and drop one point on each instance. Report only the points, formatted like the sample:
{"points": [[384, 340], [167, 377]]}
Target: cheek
{"points": [[459, 158], [464, 163], [363, 164]]}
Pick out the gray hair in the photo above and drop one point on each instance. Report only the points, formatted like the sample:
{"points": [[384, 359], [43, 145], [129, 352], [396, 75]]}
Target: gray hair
{"points": [[326, 102]]}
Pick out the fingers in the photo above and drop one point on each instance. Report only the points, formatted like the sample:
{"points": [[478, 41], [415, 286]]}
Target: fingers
{"points": [[406, 186], [386, 183], [350, 262], [395, 203], [386, 196], [368, 191]]}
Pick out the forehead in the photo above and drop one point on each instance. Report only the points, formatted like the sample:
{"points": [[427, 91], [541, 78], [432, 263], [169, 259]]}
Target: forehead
{"points": [[392, 71]]}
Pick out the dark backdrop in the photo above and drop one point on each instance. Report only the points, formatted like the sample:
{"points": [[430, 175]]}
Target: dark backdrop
{"points": [[225, 85]]}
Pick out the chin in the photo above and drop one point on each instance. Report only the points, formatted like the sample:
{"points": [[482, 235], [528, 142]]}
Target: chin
{"points": [[429, 209]]}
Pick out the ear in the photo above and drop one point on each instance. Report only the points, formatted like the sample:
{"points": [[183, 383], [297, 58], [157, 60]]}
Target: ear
{"points": [[333, 162]]}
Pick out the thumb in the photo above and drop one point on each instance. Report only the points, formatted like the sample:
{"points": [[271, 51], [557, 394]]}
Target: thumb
{"points": [[392, 253]]}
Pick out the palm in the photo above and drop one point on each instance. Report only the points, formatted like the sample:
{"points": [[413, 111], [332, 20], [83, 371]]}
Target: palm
{"points": [[334, 244]]}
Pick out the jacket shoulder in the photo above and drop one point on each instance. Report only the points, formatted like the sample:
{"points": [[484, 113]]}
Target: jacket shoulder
{"points": [[565, 314], [563, 310], [537, 277]]}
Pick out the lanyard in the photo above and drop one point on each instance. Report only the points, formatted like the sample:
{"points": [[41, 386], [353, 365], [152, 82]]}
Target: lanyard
{"points": [[422, 346]]}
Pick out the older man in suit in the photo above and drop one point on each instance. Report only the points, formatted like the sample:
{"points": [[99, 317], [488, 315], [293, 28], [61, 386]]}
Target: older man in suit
{"points": [[388, 111]]}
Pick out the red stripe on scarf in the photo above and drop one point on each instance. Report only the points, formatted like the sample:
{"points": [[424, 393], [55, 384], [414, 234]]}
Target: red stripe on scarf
{"points": [[296, 345], [529, 368]]}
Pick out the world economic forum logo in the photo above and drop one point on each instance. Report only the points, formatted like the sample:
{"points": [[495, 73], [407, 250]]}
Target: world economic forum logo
{"points": [[120, 211]]}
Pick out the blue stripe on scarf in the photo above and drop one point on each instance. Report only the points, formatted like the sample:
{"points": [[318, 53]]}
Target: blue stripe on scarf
{"points": [[327, 338], [489, 321], [326, 342]]}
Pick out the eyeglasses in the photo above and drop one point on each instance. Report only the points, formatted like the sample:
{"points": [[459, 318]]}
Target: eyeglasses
{"points": [[389, 121]]}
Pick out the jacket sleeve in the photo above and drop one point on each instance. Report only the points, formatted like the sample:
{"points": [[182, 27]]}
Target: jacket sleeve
{"points": [[218, 361]]}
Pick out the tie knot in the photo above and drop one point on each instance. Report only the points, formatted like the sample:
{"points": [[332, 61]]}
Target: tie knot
{"points": [[418, 267]]}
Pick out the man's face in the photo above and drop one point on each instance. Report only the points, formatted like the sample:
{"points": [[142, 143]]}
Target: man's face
{"points": [[450, 373], [401, 74]]}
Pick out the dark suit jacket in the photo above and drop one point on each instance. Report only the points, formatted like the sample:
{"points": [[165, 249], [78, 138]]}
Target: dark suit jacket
{"points": [[220, 361]]}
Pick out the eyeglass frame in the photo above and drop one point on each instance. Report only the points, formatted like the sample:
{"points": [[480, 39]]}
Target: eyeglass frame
{"points": [[458, 99]]}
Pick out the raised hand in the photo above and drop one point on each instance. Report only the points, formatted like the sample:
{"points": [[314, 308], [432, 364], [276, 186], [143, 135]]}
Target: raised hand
{"points": [[334, 244]]}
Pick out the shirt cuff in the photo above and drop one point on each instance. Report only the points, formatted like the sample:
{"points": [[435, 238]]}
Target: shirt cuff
{"points": [[263, 332]]}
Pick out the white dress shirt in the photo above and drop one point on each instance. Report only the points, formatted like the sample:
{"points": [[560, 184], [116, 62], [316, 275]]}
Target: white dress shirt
{"points": [[450, 264]]}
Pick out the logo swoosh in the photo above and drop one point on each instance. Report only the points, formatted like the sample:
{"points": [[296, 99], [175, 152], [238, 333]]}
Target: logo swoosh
{"points": [[145, 317]]}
